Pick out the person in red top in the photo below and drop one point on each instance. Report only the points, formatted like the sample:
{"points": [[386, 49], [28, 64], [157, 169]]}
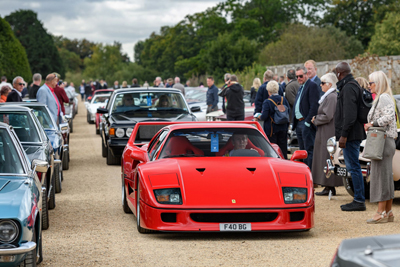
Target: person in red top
{"points": [[4, 91], [60, 93]]}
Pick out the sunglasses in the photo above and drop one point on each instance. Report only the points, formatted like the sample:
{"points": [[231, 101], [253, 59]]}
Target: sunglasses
{"points": [[21, 84], [299, 76], [323, 83], [370, 83]]}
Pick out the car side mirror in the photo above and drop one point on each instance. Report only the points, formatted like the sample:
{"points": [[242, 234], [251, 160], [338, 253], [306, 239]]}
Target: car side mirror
{"points": [[102, 110], [40, 165], [299, 154], [139, 155], [71, 99], [195, 109]]}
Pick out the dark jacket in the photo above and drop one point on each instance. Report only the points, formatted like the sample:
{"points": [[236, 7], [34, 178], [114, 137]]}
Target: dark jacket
{"points": [[222, 94], [268, 112], [262, 94], [234, 97], [62, 97], [212, 96], [88, 89], [253, 94], [317, 80], [135, 85], [346, 123], [13, 96], [308, 102], [33, 91]]}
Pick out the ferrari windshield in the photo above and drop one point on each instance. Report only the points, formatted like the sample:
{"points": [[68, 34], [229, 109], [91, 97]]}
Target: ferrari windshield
{"points": [[43, 116], [10, 162], [217, 142], [149, 104], [23, 125]]}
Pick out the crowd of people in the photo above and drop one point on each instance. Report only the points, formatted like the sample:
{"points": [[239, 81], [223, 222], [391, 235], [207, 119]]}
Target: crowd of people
{"points": [[320, 108]]}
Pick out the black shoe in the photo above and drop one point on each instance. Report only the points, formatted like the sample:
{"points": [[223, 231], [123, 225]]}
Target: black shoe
{"points": [[326, 190], [353, 206]]}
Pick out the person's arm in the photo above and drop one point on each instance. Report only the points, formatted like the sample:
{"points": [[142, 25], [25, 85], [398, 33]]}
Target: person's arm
{"points": [[313, 98], [258, 103], [266, 110], [215, 97]]}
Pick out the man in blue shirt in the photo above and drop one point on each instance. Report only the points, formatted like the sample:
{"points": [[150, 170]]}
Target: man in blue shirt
{"points": [[212, 95]]}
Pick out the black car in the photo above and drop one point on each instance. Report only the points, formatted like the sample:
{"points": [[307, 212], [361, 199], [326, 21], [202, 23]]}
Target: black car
{"points": [[126, 107], [368, 252], [36, 144]]}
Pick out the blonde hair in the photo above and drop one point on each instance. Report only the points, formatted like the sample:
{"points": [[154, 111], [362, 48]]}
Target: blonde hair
{"points": [[362, 82], [330, 78], [312, 62], [273, 87], [124, 84], [256, 83], [381, 84]]}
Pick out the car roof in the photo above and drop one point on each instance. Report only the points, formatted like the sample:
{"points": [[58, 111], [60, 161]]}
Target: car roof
{"points": [[146, 89], [14, 108], [197, 125], [24, 104], [4, 125]]}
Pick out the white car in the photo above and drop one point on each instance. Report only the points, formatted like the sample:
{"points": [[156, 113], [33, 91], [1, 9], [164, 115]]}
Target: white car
{"points": [[96, 102]]}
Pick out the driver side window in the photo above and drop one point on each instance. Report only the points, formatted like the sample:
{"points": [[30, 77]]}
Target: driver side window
{"points": [[155, 148]]}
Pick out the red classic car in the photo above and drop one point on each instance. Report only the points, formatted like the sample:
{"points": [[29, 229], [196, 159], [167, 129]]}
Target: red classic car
{"points": [[214, 176]]}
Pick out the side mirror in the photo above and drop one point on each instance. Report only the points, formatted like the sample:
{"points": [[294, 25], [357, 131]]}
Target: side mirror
{"points": [[71, 99], [102, 110], [139, 155], [299, 154], [195, 109], [40, 165]]}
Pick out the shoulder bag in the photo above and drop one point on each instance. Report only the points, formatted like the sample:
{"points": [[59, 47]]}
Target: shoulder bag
{"points": [[281, 115], [376, 138]]}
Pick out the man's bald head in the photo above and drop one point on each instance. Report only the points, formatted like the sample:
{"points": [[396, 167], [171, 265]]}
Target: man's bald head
{"points": [[51, 80], [342, 70]]}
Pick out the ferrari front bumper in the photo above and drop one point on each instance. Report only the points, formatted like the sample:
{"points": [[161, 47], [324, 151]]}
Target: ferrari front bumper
{"points": [[288, 219]]}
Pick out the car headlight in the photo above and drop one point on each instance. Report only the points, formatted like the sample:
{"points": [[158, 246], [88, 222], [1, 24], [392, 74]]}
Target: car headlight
{"points": [[168, 196], [129, 132], [119, 132], [331, 145], [292, 195], [8, 231]]}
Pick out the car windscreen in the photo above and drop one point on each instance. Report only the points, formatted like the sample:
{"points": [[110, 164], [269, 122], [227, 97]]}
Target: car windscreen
{"points": [[99, 99], [43, 116], [10, 162], [149, 104], [217, 142], [23, 125]]}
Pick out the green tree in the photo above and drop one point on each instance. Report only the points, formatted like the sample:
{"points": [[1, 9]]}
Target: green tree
{"points": [[71, 60], [42, 54], [386, 40], [13, 59], [357, 17], [300, 43]]}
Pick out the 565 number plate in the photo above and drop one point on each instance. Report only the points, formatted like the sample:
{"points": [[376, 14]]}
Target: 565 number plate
{"points": [[235, 227]]}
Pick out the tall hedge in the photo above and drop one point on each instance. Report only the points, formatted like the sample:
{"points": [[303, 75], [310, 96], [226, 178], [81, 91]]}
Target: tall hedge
{"points": [[42, 53], [13, 59]]}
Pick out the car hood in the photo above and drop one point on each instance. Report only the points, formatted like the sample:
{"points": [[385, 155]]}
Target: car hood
{"points": [[14, 193], [252, 183], [34, 152]]}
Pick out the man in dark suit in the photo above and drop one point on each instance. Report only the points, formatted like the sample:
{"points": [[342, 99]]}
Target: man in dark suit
{"points": [[15, 94], [37, 80], [291, 90], [311, 67], [305, 107]]}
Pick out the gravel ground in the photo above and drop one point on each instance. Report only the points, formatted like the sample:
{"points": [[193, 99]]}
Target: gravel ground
{"points": [[89, 228]]}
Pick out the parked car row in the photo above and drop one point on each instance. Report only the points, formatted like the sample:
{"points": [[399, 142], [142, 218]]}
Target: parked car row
{"points": [[34, 152]]}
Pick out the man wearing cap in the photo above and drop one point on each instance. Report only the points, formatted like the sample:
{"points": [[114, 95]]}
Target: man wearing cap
{"points": [[47, 96]]}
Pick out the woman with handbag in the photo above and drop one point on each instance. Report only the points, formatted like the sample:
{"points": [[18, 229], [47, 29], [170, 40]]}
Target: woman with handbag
{"points": [[325, 122], [382, 115]]}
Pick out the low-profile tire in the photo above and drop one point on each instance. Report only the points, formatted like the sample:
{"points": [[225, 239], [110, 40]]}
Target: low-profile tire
{"points": [[111, 160], [125, 206], [88, 118], [52, 201], [65, 160], [139, 228], [45, 211], [71, 126], [30, 258], [57, 178], [97, 130], [40, 249], [348, 185], [103, 149]]}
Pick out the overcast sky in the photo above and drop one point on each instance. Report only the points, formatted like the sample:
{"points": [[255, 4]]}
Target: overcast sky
{"points": [[125, 21]]}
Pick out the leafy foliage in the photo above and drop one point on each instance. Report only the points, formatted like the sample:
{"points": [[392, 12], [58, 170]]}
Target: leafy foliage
{"points": [[42, 54], [13, 59], [300, 43], [386, 41]]}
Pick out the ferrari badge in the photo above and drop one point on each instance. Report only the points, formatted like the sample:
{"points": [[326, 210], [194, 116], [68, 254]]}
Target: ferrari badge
{"points": [[233, 201]]}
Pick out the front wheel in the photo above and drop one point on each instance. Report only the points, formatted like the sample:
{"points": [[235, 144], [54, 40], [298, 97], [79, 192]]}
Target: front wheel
{"points": [[111, 160], [57, 177], [71, 126], [139, 228], [65, 160], [125, 206], [45, 211], [348, 185], [52, 201], [30, 258]]}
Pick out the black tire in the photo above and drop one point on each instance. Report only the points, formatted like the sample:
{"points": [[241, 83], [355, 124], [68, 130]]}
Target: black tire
{"points": [[103, 149], [348, 185], [88, 118], [52, 201], [125, 206], [30, 258], [40, 249], [45, 212], [57, 178], [111, 160], [139, 228], [65, 160], [71, 126]]}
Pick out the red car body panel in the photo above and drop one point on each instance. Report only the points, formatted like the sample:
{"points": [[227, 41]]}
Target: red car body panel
{"points": [[211, 185]]}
